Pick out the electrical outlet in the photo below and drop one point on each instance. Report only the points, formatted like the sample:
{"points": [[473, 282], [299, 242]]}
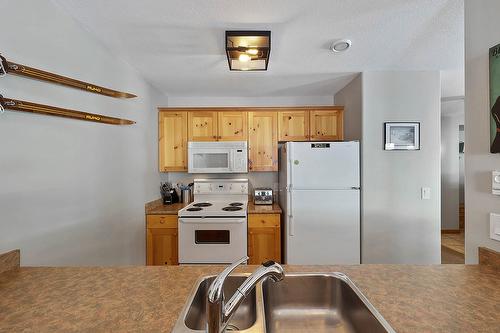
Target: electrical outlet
{"points": [[426, 193]]}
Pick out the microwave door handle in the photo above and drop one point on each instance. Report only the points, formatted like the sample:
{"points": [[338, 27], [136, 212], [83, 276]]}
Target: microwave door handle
{"points": [[231, 160]]}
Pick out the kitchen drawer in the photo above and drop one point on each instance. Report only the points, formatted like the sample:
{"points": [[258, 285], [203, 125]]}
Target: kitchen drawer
{"points": [[263, 220], [161, 221]]}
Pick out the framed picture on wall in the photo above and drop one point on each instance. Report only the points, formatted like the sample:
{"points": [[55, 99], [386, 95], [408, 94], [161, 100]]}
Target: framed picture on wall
{"points": [[402, 136], [495, 99]]}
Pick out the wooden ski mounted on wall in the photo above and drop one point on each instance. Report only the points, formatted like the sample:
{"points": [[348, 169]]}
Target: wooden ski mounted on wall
{"points": [[7, 67], [17, 105]]}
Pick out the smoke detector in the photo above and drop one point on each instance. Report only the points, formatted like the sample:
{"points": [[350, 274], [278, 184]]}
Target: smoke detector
{"points": [[341, 45]]}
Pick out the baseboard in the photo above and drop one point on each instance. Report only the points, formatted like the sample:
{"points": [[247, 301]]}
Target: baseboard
{"points": [[450, 231]]}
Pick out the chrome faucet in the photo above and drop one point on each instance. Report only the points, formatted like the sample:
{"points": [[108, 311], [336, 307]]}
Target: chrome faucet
{"points": [[218, 312]]}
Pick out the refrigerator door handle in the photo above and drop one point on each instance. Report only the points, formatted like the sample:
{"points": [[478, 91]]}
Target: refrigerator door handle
{"points": [[290, 225], [289, 210]]}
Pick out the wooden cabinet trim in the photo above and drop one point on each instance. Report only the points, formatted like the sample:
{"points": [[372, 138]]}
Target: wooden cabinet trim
{"points": [[263, 220], [161, 221]]}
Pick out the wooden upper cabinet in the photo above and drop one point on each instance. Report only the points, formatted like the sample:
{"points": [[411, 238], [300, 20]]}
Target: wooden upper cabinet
{"points": [[293, 125], [202, 126], [326, 125], [172, 137], [262, 141], [232, 126]]}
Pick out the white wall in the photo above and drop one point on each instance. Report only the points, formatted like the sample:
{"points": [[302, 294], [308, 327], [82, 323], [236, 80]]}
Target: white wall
{"points": [[399, 227], [351, 98], [73, 192], [450, 167], [481, 33], [174, 101]]}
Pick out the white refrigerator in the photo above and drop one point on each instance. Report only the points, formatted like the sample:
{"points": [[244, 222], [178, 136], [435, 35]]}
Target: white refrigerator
{"points": [[320, 197]]}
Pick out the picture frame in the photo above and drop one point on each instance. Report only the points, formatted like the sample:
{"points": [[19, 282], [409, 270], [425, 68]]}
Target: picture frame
{"points": [[494, 55], [402, 136]]}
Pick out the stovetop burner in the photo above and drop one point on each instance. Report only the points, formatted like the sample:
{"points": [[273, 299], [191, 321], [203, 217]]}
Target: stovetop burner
{"points": [[202, 204], [235, 204], [231, 209], [193, 209]]}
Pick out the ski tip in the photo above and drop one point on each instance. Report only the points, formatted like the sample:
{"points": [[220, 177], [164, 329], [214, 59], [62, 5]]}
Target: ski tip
{"points": [[127, 95], [127, 122]]}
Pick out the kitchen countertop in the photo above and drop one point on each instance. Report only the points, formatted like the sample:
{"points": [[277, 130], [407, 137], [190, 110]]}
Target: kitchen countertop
{"points": [[263, 209], [157, 207], [441, 298]]}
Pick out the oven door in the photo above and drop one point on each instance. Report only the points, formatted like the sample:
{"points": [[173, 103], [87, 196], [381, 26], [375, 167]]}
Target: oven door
{"points": [[212, 240], [210, 160]]}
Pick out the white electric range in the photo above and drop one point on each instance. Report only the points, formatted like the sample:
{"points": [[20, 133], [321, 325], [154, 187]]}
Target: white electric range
{"points": [[213, 229]]}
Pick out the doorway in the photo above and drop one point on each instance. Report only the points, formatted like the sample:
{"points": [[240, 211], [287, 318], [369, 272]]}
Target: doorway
{"points": [[452, 183]]}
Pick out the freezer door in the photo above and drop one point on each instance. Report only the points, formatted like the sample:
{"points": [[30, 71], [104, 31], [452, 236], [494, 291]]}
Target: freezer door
{"points": [[323, 227], [324, 165]]}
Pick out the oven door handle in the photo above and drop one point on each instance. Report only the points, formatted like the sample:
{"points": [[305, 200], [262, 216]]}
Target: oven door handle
{"points": [[212, 220]]}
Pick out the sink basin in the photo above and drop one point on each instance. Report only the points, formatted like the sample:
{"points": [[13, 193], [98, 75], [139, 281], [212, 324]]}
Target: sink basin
{"points": [[311, 302], [319, 303], [244, 319]]}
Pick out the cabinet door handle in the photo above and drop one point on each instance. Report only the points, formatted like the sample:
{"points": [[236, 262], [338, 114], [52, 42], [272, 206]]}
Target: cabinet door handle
{"points": [[162, 221]]}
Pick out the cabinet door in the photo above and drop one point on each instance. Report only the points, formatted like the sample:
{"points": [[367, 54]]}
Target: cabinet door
{"points": [[327, 125], [172, 141], [293, 125], [264, 238], [232, 126], [162, 246], [262, 141], [202, 126]]}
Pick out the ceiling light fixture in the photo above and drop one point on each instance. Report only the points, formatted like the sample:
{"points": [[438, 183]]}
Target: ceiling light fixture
{"points": [[248, 50], [341, 45], [244, 57]]}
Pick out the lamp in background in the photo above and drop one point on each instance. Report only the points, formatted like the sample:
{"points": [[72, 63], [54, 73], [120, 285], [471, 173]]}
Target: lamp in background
{"points": [[248, 50]]}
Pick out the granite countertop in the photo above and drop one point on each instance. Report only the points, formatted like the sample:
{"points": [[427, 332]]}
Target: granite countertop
{"points": [[444, 298], [157, 207]]}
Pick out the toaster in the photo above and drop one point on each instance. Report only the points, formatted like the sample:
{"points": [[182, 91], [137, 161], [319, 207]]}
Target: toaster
{"points": [[263, 196]]}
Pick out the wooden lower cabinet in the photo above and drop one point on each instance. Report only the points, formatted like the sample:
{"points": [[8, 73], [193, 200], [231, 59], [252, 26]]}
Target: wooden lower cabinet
{"points": [[161, 240], [264, 238]]}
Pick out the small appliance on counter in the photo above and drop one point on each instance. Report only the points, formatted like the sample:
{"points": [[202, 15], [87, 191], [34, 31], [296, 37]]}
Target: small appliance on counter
{"points": [[263, 196], [168, 194]]}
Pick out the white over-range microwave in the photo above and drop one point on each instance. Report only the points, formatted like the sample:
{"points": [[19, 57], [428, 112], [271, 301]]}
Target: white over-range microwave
{"points": [[217, 157]]}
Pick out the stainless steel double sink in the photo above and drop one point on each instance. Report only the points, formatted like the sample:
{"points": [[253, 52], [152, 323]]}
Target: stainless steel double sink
{"points": [[312, 302]]}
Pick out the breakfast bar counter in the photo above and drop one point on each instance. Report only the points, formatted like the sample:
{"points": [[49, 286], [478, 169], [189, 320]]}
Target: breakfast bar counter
{"points": [[444, 298]]}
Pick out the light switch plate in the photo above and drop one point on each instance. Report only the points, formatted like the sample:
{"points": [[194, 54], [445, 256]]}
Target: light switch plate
{"points": [[426, 193], [495, 226], [495, 182]]}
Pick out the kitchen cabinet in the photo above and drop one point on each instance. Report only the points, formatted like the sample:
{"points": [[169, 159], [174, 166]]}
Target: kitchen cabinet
{"points": [[262, 141], [264, 238], [202, 126], [232, 126], [161, 240], [172, 141], [293, 125], [262, 128], [326, 125]]}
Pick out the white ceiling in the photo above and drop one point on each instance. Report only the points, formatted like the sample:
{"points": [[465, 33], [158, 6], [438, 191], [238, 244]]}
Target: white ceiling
{"points": [[178, 45]]}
